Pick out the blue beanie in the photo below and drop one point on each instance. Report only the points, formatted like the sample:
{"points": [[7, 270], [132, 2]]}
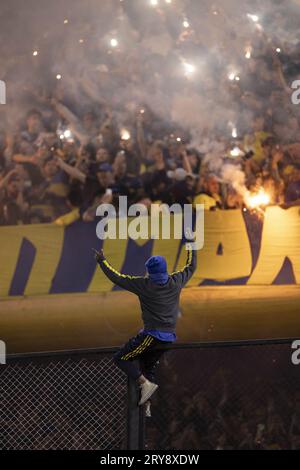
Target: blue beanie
{"points": [[157, 269]]}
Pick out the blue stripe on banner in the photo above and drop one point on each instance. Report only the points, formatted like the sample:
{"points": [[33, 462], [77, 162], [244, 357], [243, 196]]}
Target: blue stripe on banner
{"points": [[254, 227], [136, 257], [254, 230], [229, 282], [77, 265], [286, 274], [23, 268]]}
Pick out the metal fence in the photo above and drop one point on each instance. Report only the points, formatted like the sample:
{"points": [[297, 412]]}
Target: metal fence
{"points": [[62, 402], [222, 396], [227, 397]]}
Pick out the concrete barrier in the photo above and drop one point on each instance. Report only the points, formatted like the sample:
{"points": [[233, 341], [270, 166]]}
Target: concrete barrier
{"points": [[74, 321]]}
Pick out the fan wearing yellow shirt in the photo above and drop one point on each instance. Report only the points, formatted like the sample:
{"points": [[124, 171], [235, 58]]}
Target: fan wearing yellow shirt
{"points": [[210, 196]]}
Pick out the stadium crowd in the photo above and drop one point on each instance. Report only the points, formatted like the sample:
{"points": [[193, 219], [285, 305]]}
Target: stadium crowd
{"points": [[247, 399], [72, 151], [250, 402]]}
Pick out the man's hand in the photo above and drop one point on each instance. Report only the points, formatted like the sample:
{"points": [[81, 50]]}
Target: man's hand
{"points": [[99, 255], [88, 216], [189, 236]]}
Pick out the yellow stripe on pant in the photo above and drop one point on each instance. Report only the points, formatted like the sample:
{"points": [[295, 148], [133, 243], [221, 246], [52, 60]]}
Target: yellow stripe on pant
{"points": [[141, 348], [147, 341]]}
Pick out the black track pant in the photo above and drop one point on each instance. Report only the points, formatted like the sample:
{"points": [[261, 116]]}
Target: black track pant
{"points": [[140, 356]]}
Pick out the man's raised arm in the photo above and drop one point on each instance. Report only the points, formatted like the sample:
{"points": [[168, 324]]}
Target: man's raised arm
{"points": [[130, 283], [184, 275]]}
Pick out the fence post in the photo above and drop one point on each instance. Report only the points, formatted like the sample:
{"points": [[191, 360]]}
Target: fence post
{"points": [[142, 427], [134, 412]]}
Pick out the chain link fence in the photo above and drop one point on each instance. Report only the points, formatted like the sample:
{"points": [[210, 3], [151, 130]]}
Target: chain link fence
{"points": [[231, 397], [209, 397], [70, 402]]}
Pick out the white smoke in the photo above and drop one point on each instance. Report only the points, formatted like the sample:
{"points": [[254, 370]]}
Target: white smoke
{"points": [[232, 174]]}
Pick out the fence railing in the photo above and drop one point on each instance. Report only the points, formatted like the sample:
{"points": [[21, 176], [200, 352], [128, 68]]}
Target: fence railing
{"points": [[65, 401], [211, 396], [227, 396]]}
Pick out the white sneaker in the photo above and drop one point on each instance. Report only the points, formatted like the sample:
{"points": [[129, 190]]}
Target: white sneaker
{"points": [[147, 390]]}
